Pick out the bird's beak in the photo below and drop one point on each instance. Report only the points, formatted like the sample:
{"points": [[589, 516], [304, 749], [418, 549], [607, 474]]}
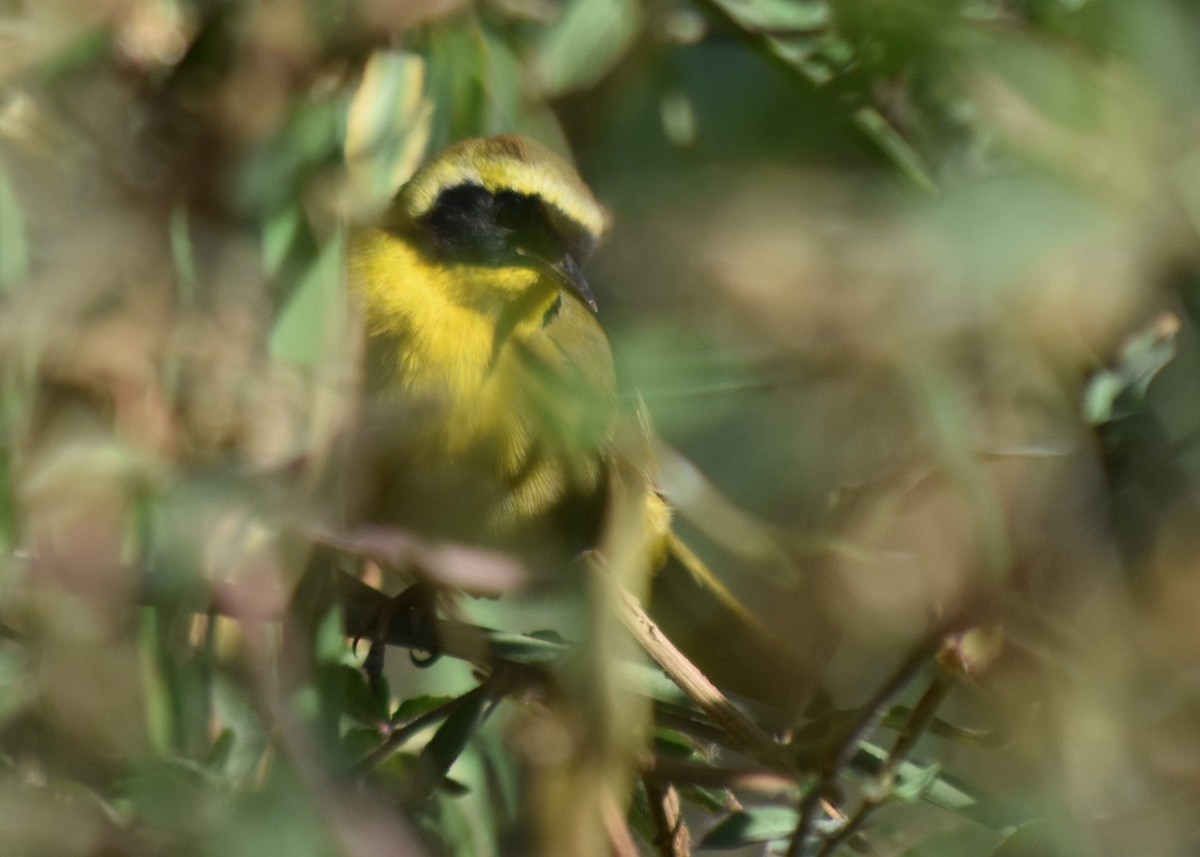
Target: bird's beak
{"points": [[566, 272]]}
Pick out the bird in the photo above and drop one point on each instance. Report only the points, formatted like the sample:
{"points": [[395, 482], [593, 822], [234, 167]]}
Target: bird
{"points": [[488, 414], [491, 409], [489, 381]]}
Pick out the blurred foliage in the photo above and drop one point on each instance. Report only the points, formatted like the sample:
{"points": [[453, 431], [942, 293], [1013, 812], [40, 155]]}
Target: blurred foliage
{"points": [[909, 288]]}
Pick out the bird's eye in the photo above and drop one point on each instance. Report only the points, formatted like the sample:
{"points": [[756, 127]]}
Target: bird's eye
{"points": [[524, 220], [463, 223], [518, 214]]}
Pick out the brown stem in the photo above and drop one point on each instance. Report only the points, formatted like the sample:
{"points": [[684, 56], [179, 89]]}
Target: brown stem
{"points": [[671, 833], [747, 736]]}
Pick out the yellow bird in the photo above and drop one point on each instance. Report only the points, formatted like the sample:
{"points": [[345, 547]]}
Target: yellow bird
{"points": [[490, 381], [490, 384], [489, 403]]}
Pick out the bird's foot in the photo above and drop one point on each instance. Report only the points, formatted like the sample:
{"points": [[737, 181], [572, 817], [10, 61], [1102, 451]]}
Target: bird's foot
{"points": [[416, 608]]}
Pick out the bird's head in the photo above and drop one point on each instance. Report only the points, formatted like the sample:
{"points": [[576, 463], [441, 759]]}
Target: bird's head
{"points": [[509, 208]]}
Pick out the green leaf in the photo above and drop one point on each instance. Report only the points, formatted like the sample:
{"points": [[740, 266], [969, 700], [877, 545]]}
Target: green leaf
{"points": [[1034, 839], [1115, 392], [282, 231], [359, 741], [750, 826], [674, 745], [276, 817], [526, 649], [776, 16], [451, 739], [245, 725], [362, 704], [160, 787], [278, 170], [585, 42], [888, 139], [411, 709], [458, 63], [709, 800], [309, 321], [915, 783], [331, 638], [944, 791], [220, 752], [388, 125], [476, 82], [964, 838]]}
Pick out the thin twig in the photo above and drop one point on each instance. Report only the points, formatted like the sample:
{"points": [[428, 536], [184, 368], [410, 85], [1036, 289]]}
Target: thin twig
{"points": [[401, 734], [671, 833], [918, 722], [667, 771], [922, 716], [883, 700], [844, 750], [748, 738], [620, 838], [810, 806]]}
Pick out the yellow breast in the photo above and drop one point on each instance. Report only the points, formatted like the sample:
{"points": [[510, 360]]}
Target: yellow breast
{"points": [[511, 398]]}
